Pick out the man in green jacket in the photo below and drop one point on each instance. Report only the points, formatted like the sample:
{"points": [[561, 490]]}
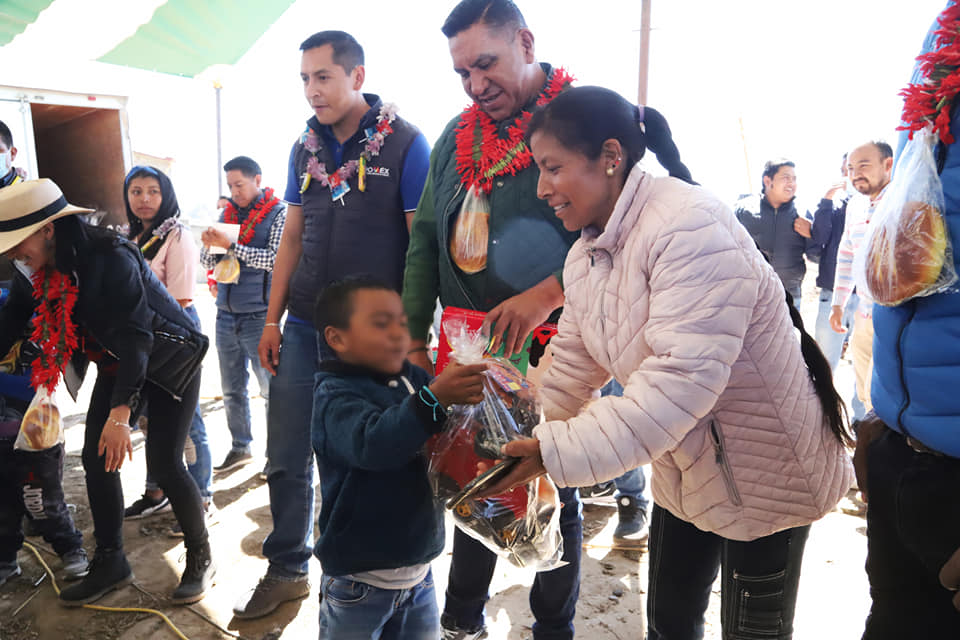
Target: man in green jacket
{"points": [[481, 239]]}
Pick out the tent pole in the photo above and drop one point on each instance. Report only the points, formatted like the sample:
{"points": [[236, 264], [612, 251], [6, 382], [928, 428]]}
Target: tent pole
{"points": [[644, 51], [217, 86]]}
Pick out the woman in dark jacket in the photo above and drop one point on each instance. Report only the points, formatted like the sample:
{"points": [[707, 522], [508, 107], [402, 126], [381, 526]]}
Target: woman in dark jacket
{"points": [[146, 350]]}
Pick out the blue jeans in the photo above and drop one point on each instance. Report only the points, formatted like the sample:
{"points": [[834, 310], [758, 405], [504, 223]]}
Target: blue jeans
{"points": [[200, 467], [553, 596], [831, 342], [352, 610], [238, 335], [633, 482], [913, 527], [759, 587], [290, 452]]}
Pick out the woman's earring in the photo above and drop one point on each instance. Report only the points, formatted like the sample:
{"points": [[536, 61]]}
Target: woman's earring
{"points": [[610, 170]]}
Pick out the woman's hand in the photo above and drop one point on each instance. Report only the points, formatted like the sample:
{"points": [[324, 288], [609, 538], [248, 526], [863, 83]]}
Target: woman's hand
{"points": [[529, 467], [115, 438]]}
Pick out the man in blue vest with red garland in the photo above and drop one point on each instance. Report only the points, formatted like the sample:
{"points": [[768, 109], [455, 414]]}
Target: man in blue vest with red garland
{"points": [[908, 447], [355, 177], [242, 304]]}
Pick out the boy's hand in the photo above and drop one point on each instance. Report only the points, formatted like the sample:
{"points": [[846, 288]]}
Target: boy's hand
{"points": [[459, 384]]}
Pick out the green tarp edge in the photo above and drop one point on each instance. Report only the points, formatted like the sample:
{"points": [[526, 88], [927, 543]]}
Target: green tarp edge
{"points": [[16, 15], [184, 37]]}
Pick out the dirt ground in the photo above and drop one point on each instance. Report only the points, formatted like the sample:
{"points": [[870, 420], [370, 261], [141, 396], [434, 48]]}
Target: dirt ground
{"points": [[833, 594]]}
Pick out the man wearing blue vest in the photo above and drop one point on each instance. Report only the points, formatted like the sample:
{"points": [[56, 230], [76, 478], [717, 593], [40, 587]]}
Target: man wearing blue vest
{"points": [[908, 448], [242, 305], [355, 177]]}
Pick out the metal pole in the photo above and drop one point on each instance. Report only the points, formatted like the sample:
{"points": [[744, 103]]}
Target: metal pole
{"points": [[746, 156], [644, 50], [217, 87]]}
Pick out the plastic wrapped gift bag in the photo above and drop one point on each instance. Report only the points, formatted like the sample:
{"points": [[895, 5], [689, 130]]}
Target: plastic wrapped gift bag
{"points": [[523, 524], [906, 252]]}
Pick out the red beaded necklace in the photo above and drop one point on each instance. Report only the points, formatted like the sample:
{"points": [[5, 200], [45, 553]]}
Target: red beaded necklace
{"points": [[482, 155], [931, 100], [255, 217], [53, 327]]}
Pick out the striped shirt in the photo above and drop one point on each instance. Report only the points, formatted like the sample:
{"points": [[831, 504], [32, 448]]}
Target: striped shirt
{"points": [[859, 213]]}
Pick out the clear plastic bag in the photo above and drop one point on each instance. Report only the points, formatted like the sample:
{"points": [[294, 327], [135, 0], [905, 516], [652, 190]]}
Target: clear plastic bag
{"points": [[471, 232], [906, 252], [227, 270], [523, 524], [41, 427]]}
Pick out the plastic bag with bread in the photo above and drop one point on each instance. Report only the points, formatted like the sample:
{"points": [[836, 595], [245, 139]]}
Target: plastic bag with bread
{"points": [[907, 252], [471, 233], [227, 270], [41, 427]]}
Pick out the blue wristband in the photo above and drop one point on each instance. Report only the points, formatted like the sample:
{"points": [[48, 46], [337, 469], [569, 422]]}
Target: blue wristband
{"points": [[432, 403]]}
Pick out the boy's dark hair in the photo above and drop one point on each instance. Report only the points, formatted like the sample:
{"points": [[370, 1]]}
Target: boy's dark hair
{"points": [[334, 304], [245, 165], [347, 52], [771, 168], [5, 136], [495, 14]]}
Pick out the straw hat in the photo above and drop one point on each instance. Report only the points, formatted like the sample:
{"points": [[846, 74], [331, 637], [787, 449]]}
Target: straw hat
{"points": [[27, 206]]}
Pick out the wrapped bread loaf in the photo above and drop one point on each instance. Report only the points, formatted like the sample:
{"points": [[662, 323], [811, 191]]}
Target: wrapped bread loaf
{"points": [[41, 426], [903, 264]]}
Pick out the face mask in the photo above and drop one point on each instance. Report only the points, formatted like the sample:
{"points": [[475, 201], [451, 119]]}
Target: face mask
{"points": [[4, 163], [23, 268]]}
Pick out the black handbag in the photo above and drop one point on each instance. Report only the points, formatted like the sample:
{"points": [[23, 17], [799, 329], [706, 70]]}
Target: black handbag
{"points": [[175, 360]]}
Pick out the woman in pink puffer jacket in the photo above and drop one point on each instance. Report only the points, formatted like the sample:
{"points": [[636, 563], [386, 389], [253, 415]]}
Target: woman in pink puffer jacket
{"points": [[666, 292]]}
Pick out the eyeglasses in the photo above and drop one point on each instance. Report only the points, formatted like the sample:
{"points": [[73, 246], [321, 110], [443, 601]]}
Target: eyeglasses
{"points": [[139, 169]]}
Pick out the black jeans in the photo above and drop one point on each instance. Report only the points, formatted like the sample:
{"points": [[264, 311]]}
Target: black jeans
{"points": [[913, 527], [759, 588], [31, 484], [553, 596], [169, 424]]}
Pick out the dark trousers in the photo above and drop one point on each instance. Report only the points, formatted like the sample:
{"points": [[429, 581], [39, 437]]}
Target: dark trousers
{"points": [[759, 587], [31, 484], [169, 424], [913, 527], [553, 596]]}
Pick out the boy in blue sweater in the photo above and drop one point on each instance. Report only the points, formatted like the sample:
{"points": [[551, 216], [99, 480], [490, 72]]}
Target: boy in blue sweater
{"points": [[372, 413]]}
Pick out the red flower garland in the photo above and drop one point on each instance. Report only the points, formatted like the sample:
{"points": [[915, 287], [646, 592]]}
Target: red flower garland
{"points": [[931, 100], [53, 327], [255, 217], [482, 155]]}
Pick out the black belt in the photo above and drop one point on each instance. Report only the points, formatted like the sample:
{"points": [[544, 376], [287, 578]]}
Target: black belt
{"points": [[919, 447]]}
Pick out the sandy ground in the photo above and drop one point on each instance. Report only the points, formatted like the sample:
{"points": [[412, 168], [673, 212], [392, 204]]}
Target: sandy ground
{"points": [[832, 604]]}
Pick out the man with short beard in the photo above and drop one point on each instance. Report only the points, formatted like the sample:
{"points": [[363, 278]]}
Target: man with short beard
{"points": [[869, 167]]}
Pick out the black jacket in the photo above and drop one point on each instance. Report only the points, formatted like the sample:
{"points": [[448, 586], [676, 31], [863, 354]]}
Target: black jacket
{"points": [[827, 231], [368, 431], [123, 307], [772, 230]]}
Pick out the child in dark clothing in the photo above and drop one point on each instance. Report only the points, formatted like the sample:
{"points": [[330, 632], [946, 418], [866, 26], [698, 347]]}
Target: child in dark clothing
{"points": [[372, 413]]}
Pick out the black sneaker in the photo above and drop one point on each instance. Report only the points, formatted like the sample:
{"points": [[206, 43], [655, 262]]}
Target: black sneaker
{"points": [[109, 570], [197, 576], [450, 631], [270, 593], [601, 490], [631, 531], [147, 506], [75, 564], [233, 460], [8, 571]]}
